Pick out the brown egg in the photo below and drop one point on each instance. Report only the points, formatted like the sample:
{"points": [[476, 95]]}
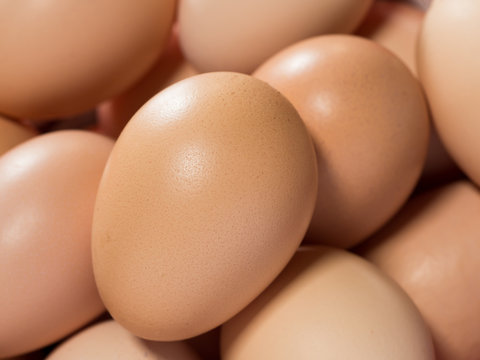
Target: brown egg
{"points": [[328, 304], [48, 186], [12, 134], [394, 25], [63, 57], [207, 194], [108, 340], [431, 249], [172, 67], [448, 64], [369, 122], [240, 35]]}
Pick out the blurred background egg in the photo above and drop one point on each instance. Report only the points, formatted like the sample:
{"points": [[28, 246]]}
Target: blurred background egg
{"points": [[108, 340], [47, 189], [219, 35], [207, 194], [328, 304], [432, 249], [60, 58], [369, 122], [448, 64]]}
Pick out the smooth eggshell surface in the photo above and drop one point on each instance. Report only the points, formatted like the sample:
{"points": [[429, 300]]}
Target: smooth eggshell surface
{"points": [[60, 58], [396, 26], [448, 64], [328, 304], [108, 340], [12, 134], [431, 248], [239, 35], [47, 190], [207, 194], [369, 121]]}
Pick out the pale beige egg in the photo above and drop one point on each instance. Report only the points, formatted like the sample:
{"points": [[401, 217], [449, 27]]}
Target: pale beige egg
{"points": [[108, 340], [48, 187], [328, 304], [431, 249]]}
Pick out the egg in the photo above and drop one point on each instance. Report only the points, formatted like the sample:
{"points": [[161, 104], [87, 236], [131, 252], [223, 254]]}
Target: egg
{"points": [[448, 58], [108, 340], [328, 304], [234, 35], [369, 122], [431, 249], [12, 133], [206, 196], [47, 189], [396, 26], [61, 58], [114, 113]]}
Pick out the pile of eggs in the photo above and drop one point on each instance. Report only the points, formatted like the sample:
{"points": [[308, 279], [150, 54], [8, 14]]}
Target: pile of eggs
{"points": [[201, 179]]}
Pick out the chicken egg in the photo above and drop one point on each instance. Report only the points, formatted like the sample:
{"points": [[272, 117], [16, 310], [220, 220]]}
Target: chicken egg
{"points": [[207, 194]]}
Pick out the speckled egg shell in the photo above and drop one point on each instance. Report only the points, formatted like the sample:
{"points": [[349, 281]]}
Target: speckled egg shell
{"points": [[207, 194], [369, 122]]}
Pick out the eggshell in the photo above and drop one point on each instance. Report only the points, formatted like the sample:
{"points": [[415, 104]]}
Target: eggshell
{"points": [[431, 249], [369, 122], [396, 26], [206, 196], [172, 67], [47, 191], [448, 63], [108, 340], [60, 58], [328, 304], [239, 35], [12, 133]]}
